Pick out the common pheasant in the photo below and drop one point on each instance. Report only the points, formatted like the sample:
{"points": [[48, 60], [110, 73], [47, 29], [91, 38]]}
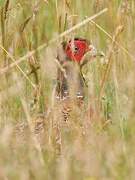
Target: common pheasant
{"points": [[71, 55]]}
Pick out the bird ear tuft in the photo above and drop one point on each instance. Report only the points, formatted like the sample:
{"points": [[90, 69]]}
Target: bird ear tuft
{"points": [[64, 44]]}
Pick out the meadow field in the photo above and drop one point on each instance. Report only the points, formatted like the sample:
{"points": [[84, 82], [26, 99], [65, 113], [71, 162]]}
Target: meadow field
{"points": [[97, 141]]}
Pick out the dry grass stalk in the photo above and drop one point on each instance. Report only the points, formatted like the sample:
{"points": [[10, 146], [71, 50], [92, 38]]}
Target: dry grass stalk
{"points": [[77, 26], [118, 30]]}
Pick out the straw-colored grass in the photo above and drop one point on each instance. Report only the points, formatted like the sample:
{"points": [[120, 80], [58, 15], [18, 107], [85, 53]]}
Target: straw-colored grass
{"points": [[96, 142]]}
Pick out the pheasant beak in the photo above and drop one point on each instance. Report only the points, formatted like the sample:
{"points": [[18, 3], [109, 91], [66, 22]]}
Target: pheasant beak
{"points": [[94, 52], [100, 54]]}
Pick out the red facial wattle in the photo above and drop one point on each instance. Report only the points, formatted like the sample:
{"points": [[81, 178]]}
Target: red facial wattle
{"points": [[76, 49]]}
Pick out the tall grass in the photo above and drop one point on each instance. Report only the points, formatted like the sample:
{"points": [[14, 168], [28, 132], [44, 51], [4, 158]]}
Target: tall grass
{"points": [[97, 141]]}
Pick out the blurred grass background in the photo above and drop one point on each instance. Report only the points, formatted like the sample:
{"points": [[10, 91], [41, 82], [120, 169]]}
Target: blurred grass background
{"points": [[34, 142]]}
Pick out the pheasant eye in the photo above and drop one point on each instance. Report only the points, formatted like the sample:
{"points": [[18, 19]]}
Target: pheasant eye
{"points": [[76, 49]]}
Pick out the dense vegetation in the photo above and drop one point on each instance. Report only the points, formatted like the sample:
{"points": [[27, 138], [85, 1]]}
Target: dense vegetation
{"points": [[35, 142]]}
